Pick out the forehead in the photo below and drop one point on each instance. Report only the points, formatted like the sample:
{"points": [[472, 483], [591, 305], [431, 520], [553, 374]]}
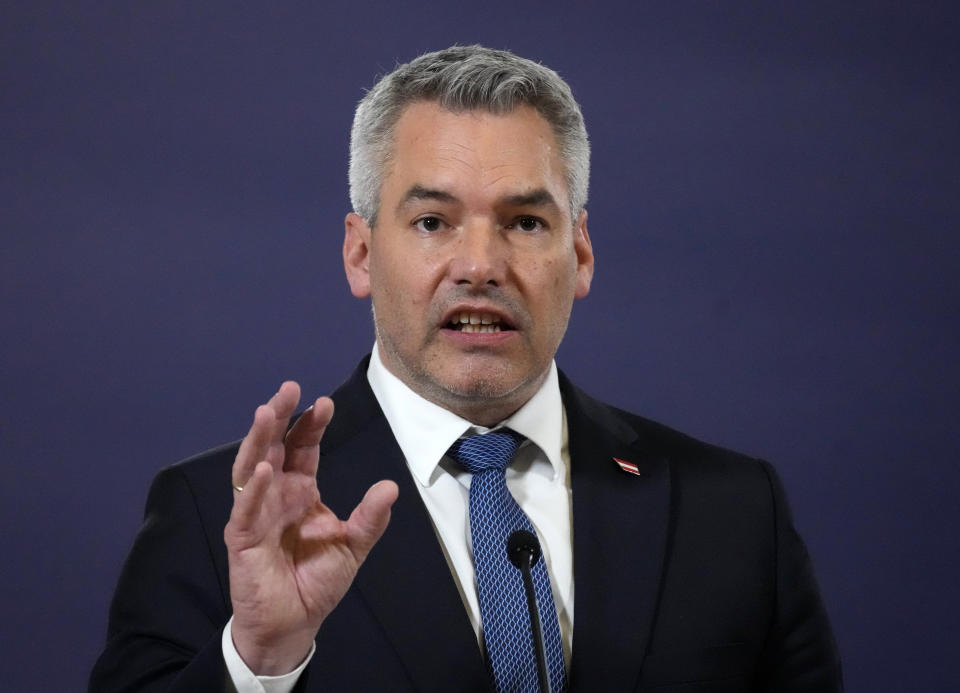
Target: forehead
{"points": [[474, 151]]}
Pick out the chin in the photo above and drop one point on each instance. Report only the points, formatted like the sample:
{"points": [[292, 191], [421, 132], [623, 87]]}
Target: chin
{"points": [[487, 385], [478, 389]]}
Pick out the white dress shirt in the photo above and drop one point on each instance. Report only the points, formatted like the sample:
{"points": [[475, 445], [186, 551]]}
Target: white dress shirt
{"points": [[539, 479]]}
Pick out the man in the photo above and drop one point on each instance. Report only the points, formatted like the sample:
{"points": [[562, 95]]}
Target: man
{"points": [[667, 564]]}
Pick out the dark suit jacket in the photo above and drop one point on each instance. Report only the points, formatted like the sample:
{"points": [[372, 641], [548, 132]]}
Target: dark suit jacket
{"points": [[688, 577]]}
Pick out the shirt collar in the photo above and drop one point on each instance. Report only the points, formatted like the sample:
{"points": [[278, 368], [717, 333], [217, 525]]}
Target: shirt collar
{"points": [[425, 431]]}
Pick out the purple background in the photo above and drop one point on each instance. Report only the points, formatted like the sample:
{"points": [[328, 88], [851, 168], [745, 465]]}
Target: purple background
{"points": [[774, 210]]}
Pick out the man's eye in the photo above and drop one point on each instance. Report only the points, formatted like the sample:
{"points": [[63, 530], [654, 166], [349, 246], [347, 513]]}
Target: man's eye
{"points": [[429, 224], [529, 224]]}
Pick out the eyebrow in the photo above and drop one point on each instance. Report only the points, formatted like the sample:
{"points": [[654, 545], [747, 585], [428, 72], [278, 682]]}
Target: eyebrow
{"points": [[419, 192], [535, 198]]}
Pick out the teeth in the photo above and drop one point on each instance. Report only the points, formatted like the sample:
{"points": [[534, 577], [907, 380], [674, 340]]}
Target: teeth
{"points": [[470, 327], [466, 318]]}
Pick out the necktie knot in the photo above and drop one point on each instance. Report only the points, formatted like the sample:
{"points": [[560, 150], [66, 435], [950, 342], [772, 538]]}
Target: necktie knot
{"points": [[480, 453]]}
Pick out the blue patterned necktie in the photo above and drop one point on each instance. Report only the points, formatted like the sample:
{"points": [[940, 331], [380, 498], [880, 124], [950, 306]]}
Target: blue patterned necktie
{"points": [[494, 515]]}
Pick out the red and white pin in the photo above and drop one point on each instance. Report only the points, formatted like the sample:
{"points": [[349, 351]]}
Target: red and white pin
{"points": [[627, 466]]}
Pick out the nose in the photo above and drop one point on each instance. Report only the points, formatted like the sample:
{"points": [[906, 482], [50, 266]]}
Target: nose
{"points": [[480, 256]]}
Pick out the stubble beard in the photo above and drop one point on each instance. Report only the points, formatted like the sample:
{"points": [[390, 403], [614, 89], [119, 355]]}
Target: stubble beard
{"points": [[480, 398]]}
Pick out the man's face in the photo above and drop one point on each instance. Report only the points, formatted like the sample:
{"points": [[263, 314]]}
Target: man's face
{"points": [[474, 262]]}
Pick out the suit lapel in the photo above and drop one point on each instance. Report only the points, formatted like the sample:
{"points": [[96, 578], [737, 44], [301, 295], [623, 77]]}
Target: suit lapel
{"points": [[405, 580], [620, 526]]}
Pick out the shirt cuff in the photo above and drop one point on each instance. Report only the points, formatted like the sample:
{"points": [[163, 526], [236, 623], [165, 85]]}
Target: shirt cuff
{"points": [[245, 681]]}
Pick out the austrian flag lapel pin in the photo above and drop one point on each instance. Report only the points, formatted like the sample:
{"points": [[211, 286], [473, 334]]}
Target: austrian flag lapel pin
{"points": [[627, 466]]}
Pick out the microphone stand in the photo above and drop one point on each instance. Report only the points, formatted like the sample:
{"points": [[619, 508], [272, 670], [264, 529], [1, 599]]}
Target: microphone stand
{"points": [[524, 550]]}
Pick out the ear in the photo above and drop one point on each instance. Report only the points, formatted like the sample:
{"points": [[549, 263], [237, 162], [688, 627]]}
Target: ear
{"points": [[356, 254], [584, 251]]}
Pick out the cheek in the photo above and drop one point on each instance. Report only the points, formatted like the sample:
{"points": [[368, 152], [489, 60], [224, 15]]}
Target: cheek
{"points": [[396, 281], [552, 277], [406, 290], [561, 275]]}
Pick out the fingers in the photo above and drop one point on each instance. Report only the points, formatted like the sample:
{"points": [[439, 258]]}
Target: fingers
{"points": [[248, 503], [369, 519], [264, 441], [303, 440]]}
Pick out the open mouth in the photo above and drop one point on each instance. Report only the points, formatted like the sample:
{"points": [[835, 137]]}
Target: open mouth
{"points": [[468, 321]]}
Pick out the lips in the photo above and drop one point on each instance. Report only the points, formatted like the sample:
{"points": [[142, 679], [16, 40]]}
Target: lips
{"points": [[477, 321]]}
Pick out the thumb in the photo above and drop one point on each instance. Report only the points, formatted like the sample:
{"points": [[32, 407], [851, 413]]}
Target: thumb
{"points": [[369, 519]]}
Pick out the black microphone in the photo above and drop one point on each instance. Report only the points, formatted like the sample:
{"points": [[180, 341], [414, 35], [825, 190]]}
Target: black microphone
{"points": [[523, 550]]}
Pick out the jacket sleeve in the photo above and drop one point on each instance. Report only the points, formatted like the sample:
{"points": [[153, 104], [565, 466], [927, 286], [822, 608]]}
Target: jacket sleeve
{"points": [[170, 605], [800, 654]]}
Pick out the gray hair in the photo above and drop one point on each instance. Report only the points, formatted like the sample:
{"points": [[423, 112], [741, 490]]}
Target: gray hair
{"points": [[464, 78]]}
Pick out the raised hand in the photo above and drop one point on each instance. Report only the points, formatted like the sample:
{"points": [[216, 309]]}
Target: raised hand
{"points": [[291, 559]]}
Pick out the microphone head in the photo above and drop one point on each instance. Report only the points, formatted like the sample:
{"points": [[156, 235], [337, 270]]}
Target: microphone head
{"points": [[521, 544]]}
